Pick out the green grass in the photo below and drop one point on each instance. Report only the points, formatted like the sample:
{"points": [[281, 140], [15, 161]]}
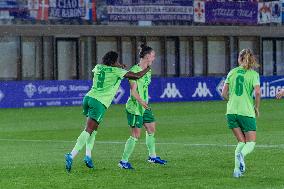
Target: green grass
{"points": [[33, 143]]}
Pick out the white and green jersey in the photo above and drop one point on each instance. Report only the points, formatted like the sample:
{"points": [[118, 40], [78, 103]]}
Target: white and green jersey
{"points": [[105, 83], [241, 85], [132, 105]]}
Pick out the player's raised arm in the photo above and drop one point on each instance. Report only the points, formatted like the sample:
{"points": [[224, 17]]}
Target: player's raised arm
{"points": [[138, 75]]}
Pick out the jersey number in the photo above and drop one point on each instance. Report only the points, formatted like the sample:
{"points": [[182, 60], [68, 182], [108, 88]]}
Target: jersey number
{"points": [[239, 85], [101, 79]]}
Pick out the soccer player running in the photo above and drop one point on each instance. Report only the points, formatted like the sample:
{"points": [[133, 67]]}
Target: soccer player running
{"points": [[106, 80], [138, 111], [238, 89]]}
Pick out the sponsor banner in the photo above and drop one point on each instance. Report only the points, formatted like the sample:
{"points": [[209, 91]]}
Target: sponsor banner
{"points": [[18, 94], [48, 9], [231, 12], [67, 9], [199, 11], [11, 9], [264, 13], [155, 10], [282, 2], [276, 12], [269, 12]]}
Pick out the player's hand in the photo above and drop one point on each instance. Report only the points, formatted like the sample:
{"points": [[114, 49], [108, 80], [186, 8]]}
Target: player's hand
{"points": [[145, 105], [256, 110], [279, 94], [123, 66]]}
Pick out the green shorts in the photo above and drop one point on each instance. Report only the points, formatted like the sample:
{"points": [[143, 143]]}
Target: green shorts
{"points": [[138, 121], [245, 123], [93, 108]]}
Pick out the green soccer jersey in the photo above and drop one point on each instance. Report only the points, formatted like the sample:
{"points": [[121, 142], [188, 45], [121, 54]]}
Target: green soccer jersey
{"points": [[241, 85], [132, 105], [105, 83]]}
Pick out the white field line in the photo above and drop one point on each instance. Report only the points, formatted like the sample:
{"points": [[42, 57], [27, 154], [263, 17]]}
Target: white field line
{"points": [[281, 146]]}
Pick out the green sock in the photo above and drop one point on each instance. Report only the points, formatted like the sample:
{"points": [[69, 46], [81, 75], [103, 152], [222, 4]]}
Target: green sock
{"points": [[238, 150], [81, 141], [150, 142], [248, 148], [128, 149], [90, 143]]}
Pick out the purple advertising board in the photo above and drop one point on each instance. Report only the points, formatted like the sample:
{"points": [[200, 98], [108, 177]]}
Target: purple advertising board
{"points": [[231, 12], [20, 94], [155, 10]]}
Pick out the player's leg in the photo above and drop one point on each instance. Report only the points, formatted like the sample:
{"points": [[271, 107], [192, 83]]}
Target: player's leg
{"points": [[233, 124], [135, 124], [91, 125], [250, 134], [81, 141], [150, 126], [249, 129], [96, 112], [250, 142]]}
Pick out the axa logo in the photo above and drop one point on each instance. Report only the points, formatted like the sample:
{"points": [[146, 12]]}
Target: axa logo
{"points": [[171, 91], [30, 90], [202, 90], [119, 94]]}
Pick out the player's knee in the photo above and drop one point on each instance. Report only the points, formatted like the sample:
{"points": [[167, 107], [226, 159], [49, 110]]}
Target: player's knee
{"points": [[136, 135]]}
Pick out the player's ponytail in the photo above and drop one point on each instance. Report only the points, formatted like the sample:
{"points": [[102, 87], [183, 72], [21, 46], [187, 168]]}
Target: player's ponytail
{"points": [[144, 50], [247, 59]]}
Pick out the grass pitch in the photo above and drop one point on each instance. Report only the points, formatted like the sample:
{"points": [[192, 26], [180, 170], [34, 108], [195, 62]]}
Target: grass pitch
{"points": [[193, 137]]}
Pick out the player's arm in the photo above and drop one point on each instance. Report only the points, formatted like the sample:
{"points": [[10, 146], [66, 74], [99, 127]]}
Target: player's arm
{"points": [[280, 93], [134, 93], [120, 65], [138, 75], [257, 99], [225, 91]]}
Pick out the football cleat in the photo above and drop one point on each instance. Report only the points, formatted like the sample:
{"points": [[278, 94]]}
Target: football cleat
{"points": [[126, 165], [68, 162], [242, 162], [237, 174], [89, 162], [157, 160]]}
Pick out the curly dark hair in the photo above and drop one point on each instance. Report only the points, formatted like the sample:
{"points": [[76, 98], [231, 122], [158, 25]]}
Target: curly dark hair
{"points": [[110, 58]]}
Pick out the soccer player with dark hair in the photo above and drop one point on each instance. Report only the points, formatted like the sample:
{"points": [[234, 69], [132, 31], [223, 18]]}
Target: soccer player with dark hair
{"points": [[106, 81], [138, 111]]}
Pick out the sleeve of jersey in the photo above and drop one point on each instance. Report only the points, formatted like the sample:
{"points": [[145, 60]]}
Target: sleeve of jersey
{"points": [[256, 80], [228, 77]]}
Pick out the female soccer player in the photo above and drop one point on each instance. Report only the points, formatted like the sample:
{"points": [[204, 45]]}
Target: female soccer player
{"points": [[241, 111], [138, 111], [107, 78], [280, 93]]}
